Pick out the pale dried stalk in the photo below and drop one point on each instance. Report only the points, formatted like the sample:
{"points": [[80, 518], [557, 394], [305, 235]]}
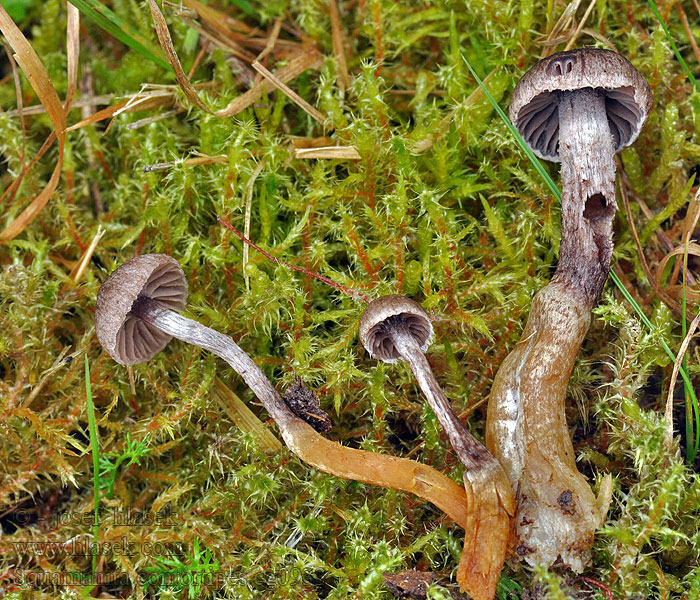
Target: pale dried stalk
{"points": [[337, 152], [313, 112]]}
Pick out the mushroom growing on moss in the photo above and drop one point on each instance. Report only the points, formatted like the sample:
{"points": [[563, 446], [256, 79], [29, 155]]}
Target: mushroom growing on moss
{"points": [[394, 328], [579, 108], [136, 317]]}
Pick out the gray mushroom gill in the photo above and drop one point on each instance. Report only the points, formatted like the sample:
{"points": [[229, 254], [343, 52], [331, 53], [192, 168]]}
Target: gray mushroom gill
{"points": [[578, 108]]}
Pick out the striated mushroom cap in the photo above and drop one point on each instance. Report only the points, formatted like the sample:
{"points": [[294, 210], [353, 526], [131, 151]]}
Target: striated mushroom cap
{"points": [[384, 313], [534, 104], [128, 339]]}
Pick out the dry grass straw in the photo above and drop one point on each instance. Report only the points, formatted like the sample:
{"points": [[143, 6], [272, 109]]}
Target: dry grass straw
{"points": [[313, 112], [303, 59], [193, 161], [653, 281], [244, 418], [332, 152], [683, 249], [343, 77], [668, 413], [33, 68]]}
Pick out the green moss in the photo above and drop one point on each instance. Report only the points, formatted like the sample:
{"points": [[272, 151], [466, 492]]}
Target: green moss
{"points": [[441, 206]]}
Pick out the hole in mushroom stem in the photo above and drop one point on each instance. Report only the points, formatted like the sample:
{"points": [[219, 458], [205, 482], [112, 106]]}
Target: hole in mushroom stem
{"points": [[597, 208], [598, 213]]}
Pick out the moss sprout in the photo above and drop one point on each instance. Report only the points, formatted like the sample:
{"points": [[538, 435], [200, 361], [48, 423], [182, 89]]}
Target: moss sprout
{"points": [[441, 206]]}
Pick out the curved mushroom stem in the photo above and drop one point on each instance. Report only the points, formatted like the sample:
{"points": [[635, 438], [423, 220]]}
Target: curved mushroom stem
{"points": [[471, 452], [302, 439], [557, 512], [488, 489]]}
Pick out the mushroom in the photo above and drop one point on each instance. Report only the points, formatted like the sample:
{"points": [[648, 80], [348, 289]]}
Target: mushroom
{"points": [[136, 317], [394, 328], [579, 108]]}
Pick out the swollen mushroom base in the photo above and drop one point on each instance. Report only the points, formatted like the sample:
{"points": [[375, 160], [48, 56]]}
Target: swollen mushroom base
{"points": [[557, 512]]}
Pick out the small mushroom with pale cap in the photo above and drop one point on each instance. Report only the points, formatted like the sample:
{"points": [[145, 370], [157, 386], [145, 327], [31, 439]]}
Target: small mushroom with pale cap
{"points": [[579, 108], [136, 317], [394, 328]]}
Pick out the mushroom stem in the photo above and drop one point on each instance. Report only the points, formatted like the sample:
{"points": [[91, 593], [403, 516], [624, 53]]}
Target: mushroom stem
{"points": [[588, 201], [579, 108], [302, 439], [489, 527], [526, 429], [471, 452], [557, 512], [193, 332]]}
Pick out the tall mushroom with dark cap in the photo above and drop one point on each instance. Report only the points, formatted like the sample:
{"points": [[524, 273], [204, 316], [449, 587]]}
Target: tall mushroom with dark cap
{"points": [[579, 108], [394, 328], [136, 317]]}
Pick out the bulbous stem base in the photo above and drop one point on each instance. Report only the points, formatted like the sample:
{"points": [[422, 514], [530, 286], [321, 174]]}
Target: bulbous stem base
{"points": [[557, 512]]}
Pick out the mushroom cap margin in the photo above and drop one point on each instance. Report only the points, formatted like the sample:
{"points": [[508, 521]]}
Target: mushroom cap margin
{"points": [[125, 337], [571, 70], [373, 326]]}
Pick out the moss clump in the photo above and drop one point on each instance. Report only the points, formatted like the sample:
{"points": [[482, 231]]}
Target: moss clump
{"points": [[441, 206]]}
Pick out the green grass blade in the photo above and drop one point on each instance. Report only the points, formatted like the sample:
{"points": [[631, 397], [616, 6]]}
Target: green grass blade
{"points": [[673, 45], [95, 464], [113, 24], [516, 134], [692, 446]]}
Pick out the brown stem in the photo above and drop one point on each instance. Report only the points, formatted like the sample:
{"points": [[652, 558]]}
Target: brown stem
{"points": [[471, 452], [304, 440], [557, 512], [588, 193]]}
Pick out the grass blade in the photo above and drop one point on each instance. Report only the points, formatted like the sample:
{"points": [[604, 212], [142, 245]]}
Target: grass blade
{"points": [[95, 464], [113, 24], [673, 45]]}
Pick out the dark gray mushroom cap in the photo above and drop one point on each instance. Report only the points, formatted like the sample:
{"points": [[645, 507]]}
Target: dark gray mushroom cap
{"points": [[534, 105], [128, 339], [383, 314]]}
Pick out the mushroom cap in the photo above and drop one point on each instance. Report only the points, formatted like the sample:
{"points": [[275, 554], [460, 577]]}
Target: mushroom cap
{"points": [[534, 104], [381, 314], [128, 339]]}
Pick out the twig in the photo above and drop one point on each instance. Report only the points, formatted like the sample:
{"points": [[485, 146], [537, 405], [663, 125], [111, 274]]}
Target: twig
{"points": [[338, 286]]}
